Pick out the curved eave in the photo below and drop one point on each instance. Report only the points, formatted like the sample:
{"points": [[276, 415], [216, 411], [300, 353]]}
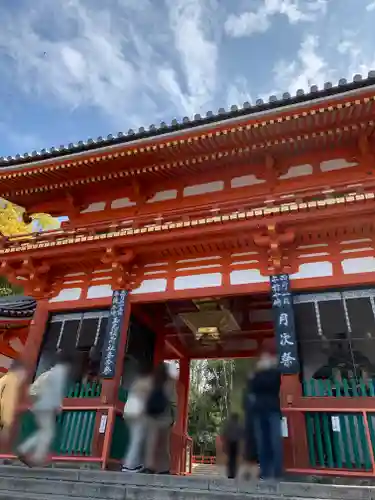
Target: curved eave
{"points": [[290, 133], [176, 129]]}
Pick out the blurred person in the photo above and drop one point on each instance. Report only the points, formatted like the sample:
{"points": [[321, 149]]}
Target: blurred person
{"points": [[250, 468], [161, 414], [47, 394], [264, 396], [135, 416], [232, 436], [10, 389]]}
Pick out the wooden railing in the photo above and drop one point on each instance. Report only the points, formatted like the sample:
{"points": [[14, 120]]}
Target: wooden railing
{"points": [[88, 431], [339, 418], [202, 459]]}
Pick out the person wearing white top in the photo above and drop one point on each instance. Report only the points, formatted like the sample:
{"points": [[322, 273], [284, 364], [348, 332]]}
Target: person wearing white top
{"points": [[47, 393]]}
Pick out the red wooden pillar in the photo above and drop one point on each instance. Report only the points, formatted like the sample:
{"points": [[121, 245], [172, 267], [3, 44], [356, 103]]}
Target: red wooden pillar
{"points": [[182, 411], [109, 395], [296, 445], [38, 325], [30, 356], [159, 348], [183, 396]]}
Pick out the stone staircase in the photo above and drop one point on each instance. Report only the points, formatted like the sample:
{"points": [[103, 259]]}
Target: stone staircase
{"points": [[21, 483], [208, 470]]}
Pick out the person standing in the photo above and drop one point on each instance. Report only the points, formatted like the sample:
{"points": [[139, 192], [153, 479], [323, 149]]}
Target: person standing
{"points": [[134, 415], [47, 394], [265, 402], [232, 436], [161, 414], [10, 386], [250, 453]]}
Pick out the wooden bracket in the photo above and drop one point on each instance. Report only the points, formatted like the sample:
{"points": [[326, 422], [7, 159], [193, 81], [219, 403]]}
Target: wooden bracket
{"points": [[122, 265], [276, 241]]}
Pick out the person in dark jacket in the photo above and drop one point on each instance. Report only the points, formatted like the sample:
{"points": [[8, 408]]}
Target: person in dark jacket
{"points": [[265, 398], [250, 453], [232, 436]]}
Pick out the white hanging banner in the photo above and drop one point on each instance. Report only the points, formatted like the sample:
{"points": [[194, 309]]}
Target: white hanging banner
{"points": [[336, 427], [284, 427]]}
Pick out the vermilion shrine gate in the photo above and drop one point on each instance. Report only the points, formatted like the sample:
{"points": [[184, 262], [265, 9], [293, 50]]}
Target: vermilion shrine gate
{"points": [[191, 220]]}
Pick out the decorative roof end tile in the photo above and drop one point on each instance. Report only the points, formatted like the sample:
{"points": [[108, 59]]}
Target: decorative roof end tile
{"points": [[163, 125], [357, 78], [314, 89], [185, 119], [131, 131], [328, 85], [371, 74], [286, 96], [209, 114], [120, 134], [174, 122], [234, 108], [300, 93], [272, 99], [342, 81], [246, 105], [197, 117], [109, 137]]}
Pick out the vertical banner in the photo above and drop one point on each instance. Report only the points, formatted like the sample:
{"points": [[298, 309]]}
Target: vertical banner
{"points": [[282, 305], [112, 336]]}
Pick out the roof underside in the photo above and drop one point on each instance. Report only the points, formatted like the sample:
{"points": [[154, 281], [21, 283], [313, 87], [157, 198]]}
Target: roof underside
{"points": [[17, 307], [222, 116]]}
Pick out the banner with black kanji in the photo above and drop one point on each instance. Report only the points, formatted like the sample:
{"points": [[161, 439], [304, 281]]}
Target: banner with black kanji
{"points": [[282, 305], [112, 337]]}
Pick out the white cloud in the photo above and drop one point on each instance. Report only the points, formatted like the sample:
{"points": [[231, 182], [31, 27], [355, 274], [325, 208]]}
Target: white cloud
{"points": [[307, 69], [259, 20], [198, 54], [120, 56], [370, 7]]}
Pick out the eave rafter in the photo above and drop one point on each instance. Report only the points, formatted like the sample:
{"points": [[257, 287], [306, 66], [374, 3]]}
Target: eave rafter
{"points": [[198, 148]]}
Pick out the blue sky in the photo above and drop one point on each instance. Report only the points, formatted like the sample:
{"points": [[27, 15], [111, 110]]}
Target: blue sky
{"points": [[73, 69]]}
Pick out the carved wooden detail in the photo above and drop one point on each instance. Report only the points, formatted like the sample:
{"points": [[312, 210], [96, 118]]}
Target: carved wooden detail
{"points": [[34, 278], [276, 242], [123, 268]]}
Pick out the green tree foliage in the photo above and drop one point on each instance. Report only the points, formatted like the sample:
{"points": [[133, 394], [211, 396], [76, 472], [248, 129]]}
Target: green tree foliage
{"points": [[216, 388]]}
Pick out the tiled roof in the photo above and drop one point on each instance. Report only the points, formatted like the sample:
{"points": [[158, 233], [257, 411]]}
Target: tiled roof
{"points": [[17, 307], [153, 131]]}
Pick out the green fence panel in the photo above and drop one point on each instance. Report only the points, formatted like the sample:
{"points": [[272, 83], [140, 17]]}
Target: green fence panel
{"points": [[339, 443], [86, 390], [120, 439], [339, 440]]}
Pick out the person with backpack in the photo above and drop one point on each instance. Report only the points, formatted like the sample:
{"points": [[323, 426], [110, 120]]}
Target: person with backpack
{"points": [[47, 394], [161, 412], [136, 420]]}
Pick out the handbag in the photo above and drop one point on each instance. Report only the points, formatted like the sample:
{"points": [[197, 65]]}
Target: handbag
{"points": [[134, 407]]}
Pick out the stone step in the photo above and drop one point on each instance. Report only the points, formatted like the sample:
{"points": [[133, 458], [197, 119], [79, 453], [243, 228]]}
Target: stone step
{"points": [[18, 483]]}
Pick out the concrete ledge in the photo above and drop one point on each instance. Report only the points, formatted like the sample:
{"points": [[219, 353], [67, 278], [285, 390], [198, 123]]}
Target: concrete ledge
{"points": [[22, 481]]}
